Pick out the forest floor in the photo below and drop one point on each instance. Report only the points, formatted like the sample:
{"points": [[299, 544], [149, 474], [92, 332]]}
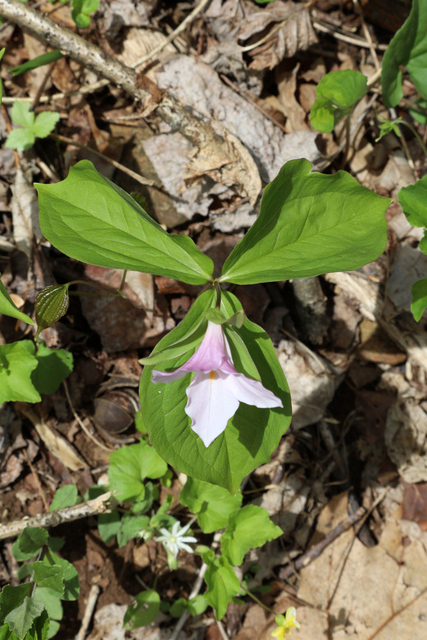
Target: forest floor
{"points": [[354, 358]]}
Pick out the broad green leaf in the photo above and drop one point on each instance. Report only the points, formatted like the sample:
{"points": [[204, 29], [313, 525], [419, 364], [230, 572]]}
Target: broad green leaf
{"points": [[12, 597], [420, 114], [247, 528], [35, 63], [151, 494], [49, 577], [129, 466], [71, 577], [143, 610], [51, 304], [212, 504], [337, 93], [7, 634], [91, 219], [178, 607], [223, 585], [81, 11], [309, 224], [53, 367], [196, 606], [131, 527], [29, 543], [109, 525], [51, 601], [22, 115], [66, 496], [419, 298], [22, 618], [251, 435], [414, 204], [189, 341], [45, 123], [40, 629], [408, 48], [20, 139], [16, 366], [9, 308]]}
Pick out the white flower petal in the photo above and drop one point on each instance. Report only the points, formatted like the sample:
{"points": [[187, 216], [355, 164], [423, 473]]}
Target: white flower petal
{"points": [[187, 539], [210, 405], [185, 547], [250, 391]]}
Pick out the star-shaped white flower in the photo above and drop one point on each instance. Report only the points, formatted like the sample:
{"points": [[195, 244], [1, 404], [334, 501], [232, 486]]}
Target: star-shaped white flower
{"points": [[216, 388], [176, 540]]}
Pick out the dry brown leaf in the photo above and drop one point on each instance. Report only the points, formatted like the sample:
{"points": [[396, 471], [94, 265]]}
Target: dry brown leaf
{"points": [[56, 444], [362, 587], [35, 77], [296, 33], [295, 114], [414, 504], [406, 440], [25, 213]]}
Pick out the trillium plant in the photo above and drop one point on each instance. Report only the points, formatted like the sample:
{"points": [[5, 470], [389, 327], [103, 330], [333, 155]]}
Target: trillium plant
{"points": [[214, 398]]}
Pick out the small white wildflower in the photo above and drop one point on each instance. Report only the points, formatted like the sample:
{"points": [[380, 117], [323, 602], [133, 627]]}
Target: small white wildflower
{"points": [[176, 540]]}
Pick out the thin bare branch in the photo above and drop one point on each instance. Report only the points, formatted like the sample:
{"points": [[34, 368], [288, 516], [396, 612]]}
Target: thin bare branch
{"points": [[57, 517]]}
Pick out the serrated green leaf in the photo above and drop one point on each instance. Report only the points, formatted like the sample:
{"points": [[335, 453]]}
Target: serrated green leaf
{"points": [[16, 366], [337, 93], [143, 610], [20, 139], [9, 308], [22, 618], [211, 504], [71, 577], [251, 435], [223, 585], [408, 48], [49, 577], [91, 219], [45, 123], [66, 496], [247, 528], [30, 541], [419, 298], [53, 367], [40, 629], [51, 304], [309, 224], [21, 114], [12, 597], [129, 466], [35, 63]]}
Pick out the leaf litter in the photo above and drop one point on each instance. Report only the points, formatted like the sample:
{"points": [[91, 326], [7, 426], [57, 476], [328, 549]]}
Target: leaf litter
{"points": [[359, 401]]}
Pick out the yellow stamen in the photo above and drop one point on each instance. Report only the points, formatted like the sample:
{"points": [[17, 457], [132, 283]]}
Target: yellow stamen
{"points": [[212, 376]]}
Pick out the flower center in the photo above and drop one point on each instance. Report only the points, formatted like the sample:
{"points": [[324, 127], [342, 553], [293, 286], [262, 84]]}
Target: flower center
{"points": [[172, 540], [212, 376]]}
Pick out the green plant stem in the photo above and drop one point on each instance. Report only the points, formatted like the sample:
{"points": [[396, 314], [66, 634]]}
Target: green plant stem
{"points": [[257, 600], [411, 128], [218, 294], [100, 287]]}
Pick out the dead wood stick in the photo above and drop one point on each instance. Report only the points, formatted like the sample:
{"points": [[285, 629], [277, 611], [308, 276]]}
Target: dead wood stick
{"points": [[169, 109], [90, 606], [55, 518], [315, 551]]}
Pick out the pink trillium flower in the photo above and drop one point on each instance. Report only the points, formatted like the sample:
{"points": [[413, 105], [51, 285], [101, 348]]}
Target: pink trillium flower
{"points": [[216, 388]]}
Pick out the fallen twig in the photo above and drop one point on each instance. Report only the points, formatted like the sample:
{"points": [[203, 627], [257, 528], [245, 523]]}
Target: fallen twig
{"points": [[90, 606], [59, 516], [314, 552]]}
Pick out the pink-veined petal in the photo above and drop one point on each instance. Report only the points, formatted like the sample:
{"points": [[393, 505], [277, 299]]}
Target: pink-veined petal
{"points": [[250, 391], [211, 353], [171, 376], [210, 405]]}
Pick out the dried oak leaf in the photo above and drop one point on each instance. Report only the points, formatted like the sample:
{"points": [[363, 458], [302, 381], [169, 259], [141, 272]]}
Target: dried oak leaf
{"points": [[291, 31], [414, 503]]}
